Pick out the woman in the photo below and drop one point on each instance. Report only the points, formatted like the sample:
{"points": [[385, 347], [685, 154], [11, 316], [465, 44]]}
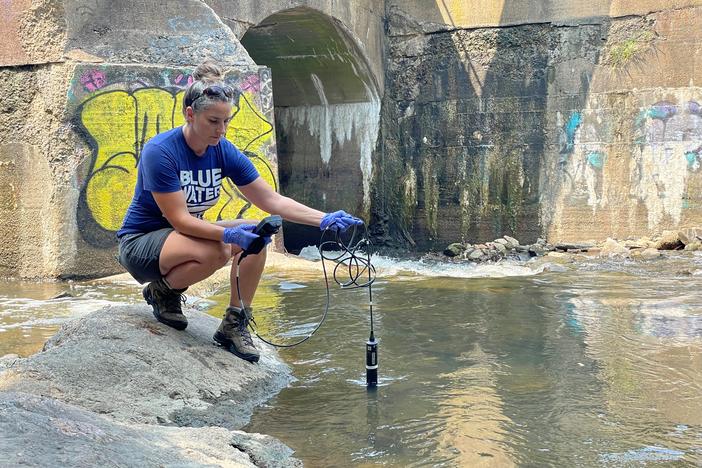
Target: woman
{"points": [[164, 239]]}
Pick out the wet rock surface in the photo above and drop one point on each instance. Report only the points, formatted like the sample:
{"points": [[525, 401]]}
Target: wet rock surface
{"points": [[118, 367]]}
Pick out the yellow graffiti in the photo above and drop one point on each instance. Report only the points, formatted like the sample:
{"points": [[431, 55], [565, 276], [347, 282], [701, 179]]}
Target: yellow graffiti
{"points": [[120, 123]]}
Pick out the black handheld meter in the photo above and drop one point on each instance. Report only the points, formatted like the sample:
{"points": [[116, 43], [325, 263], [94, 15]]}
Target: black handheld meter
{"points": [[267, 227]]}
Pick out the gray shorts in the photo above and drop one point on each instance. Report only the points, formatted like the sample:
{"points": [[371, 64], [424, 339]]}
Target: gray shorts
{"points": [[139, 254]]}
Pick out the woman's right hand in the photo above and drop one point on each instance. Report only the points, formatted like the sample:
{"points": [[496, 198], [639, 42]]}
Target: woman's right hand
{"points": [[240, 235]]}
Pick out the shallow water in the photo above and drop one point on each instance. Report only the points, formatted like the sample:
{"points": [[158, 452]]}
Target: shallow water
{"points": [[594, 363]]}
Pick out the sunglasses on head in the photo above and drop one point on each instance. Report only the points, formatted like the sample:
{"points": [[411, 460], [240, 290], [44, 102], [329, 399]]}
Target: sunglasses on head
{"points": [[218, 91]]}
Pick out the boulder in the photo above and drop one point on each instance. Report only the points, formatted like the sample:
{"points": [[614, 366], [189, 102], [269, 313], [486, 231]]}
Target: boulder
{"points": [[573, 246], [513, 243], [613, 248], [454, 250], [690, 235], [669, 241], [693, 246], [476, 255], [119, 361], [41, 431], [650, 253]]}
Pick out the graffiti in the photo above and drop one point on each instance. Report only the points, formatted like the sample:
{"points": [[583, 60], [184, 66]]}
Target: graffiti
{"points": [[266, 89], [117, 119], [567, 139], [669, 137], [93, 80], [654, 157], [596, 159]]}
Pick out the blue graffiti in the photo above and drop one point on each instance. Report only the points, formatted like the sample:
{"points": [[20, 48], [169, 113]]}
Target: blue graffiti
{"points": [[596, 159], [570, 128], [694, 108], [691, 158], [662, 110]]}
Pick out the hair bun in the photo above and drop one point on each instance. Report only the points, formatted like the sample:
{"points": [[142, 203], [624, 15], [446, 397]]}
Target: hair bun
{"points": [[208, 71]]}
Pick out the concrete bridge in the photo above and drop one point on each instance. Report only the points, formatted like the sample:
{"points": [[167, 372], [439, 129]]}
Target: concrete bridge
{"points": [[435, 120]]}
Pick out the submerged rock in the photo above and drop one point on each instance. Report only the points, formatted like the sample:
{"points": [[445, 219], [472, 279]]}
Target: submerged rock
{"points": [[120, 362]]}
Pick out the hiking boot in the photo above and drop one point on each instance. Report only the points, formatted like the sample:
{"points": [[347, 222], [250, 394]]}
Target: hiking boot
{"points": [[233, 334], [166, 304]]}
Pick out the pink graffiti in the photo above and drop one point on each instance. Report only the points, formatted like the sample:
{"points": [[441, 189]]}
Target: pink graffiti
{"points": [[93, 80], [251, 83]]}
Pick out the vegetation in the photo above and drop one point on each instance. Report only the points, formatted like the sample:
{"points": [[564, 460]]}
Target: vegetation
{"points": [[622, 53]]}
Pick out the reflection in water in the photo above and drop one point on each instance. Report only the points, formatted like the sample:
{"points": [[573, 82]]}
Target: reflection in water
{"points": [[598, 365]]}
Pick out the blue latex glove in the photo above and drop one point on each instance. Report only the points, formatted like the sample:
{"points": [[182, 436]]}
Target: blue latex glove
{"points": [[240, 235], [339, 221]]}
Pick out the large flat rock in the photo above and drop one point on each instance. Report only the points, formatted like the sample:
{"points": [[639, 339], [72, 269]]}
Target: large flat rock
{"points": [[120, 361], [119, 367], [40, 431]]}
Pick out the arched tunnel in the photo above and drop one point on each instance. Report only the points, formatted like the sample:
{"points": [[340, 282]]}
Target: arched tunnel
{"points": [[327, 111]]}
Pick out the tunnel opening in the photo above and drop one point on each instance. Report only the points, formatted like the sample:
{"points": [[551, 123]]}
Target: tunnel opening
{"points": [[327, 111]]}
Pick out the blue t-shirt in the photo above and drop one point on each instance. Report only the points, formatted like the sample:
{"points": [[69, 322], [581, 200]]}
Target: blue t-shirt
{"points": [[167, 164]]}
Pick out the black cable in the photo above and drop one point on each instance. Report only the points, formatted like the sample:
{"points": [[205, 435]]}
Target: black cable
{"points": [[349, 258]]}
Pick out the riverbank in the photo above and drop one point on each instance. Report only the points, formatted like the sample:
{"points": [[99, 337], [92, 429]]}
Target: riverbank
{"points": [[507, 247]]}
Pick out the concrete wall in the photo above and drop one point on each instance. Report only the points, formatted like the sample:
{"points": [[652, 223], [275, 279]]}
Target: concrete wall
{"points": [[74, 123], [572, 127], [32, 32], [361, 20], [435, 15]]}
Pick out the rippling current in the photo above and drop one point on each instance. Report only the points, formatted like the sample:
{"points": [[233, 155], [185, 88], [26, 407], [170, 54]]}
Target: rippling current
{"points": [[585, 363]]}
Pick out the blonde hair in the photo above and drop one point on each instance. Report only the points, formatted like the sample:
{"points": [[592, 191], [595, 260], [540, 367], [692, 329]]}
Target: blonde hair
{"points": [[208, 73]]}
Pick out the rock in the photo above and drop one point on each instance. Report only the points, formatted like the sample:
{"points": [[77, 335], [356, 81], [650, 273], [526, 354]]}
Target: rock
{"points": [[566, 246], [649, 254], [669, 241], [613, 248], [503, 242], [557, 255], [454, 250], [694, 246], [8, 361], [537, 250], [476, 255], [689, 235], [501, 248], [40, 431], [62, 295], [120, 362], [512, 241], [635, 244]]}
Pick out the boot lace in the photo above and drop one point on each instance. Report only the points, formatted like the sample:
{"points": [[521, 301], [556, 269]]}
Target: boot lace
{"points": [[172, 302], [241, 324]]}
